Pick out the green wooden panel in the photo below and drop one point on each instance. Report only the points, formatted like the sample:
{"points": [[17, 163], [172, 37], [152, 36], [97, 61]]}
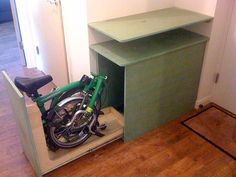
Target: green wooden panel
{"points": [[113, 94], [23, 123], [133, 27], [124, 54], [161, 89]]}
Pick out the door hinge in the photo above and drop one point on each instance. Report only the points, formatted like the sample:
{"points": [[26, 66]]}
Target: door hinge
{"points": [[217, 77], [21, 45], [37, 50]]}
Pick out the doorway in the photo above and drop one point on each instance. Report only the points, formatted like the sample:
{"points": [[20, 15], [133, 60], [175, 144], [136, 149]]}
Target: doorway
{"points": [[11, 50], [225, 90], [39, 25]]}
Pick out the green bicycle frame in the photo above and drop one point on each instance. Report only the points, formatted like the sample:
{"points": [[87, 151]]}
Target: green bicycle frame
{"points": [[96, 84], [54, 96]]}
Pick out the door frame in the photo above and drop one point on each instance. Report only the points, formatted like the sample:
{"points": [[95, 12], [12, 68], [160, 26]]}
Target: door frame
{"points": [[222, 55], [23, 23], [18, 32]]}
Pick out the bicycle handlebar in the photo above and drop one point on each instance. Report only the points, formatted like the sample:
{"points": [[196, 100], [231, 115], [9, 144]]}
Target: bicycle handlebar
{"points": [[98, 75]]}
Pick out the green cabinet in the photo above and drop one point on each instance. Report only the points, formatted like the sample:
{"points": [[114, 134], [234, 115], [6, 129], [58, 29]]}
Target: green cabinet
{"points": [[153, 79], [161, 89]]}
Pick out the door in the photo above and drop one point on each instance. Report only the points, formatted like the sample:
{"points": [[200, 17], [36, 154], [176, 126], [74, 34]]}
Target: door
{"points": [[49, 38], [18, 32], [225, 91]]}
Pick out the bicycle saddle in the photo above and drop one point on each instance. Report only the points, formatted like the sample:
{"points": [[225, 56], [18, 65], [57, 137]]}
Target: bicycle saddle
{"points": [[31, 85]]}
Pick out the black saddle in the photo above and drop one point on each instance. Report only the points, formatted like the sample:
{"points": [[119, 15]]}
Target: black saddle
{"points": [[31, 85]]}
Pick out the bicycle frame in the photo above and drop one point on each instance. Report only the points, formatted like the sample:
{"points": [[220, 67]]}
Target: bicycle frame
{"points": [[54, 96], [95, 84]]}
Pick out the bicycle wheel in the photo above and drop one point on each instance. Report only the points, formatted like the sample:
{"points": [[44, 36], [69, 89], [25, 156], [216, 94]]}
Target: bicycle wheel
{"points": [[78, 90], [65, 136]]}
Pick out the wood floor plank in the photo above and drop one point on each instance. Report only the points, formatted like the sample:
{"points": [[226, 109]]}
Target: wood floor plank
{"points": [[216, 126]]}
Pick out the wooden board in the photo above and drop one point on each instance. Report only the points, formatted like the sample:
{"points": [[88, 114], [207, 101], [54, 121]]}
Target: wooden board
{"points": [[133, 27], [161, 89], [51, 160], [23, 123], [216, 126], [124, 54]]}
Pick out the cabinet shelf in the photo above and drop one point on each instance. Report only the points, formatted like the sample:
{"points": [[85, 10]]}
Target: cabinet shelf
{"points": [[128, 53], [133, 27]]}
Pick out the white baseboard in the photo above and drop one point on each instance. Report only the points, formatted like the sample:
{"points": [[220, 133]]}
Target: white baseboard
{"points": [[203, 101]]}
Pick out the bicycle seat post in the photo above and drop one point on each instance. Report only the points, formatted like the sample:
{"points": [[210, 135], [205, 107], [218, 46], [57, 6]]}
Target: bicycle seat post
{"points": [[34, 95]]}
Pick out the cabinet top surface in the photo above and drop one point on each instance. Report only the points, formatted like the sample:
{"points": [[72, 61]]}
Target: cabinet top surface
{"points": [[133, 27], [128, 53]]}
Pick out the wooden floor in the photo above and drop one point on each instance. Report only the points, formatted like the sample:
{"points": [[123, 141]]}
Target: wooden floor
{"points": [[216, 126], [170, 151]]}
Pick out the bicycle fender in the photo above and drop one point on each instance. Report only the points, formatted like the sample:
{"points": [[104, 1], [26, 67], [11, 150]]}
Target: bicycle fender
{"points": [[61, 103]]}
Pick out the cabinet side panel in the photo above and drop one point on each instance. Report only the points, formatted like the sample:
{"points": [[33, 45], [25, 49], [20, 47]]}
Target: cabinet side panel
{"points": [[113, 94], [22, 121], [161, 89]]}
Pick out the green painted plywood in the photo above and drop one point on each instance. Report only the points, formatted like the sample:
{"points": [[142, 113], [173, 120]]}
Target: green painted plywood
{"points": [[124, 54], [133, 27], [113, 94], [23, 123], [161, 89]]}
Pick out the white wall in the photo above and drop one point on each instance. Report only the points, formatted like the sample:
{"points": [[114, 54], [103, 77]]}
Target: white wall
{"points": [[224, 93], [215, 51], [107, 9], [74, 15], [216, 31], [202, 6]]}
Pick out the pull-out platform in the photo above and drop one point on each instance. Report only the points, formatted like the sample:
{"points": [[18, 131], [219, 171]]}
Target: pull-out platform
{"points": [[32, 136]]}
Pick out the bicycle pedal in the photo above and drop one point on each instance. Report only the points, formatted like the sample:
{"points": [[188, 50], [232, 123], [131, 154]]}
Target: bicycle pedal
{"points": [[99, 134], [102, 127]]}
